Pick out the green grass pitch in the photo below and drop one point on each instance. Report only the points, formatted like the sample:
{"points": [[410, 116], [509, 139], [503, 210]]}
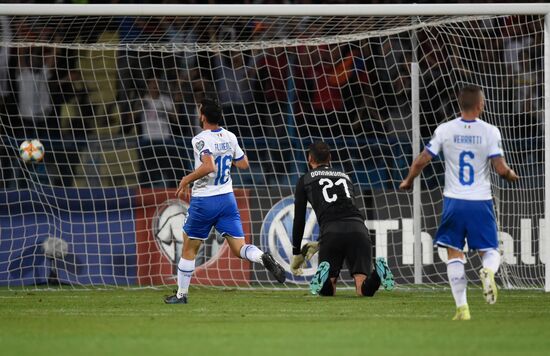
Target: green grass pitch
{"points": [[243, 322]]}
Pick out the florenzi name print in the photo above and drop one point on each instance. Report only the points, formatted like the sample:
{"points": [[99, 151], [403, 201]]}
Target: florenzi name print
{"points": [[224, 146]]}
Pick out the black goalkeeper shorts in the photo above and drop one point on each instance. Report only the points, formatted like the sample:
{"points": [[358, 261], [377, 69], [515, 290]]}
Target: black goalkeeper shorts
{"points": [[346, 240]]}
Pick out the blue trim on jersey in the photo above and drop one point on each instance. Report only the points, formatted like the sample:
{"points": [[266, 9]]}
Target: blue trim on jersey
{"points": [[472, 220], [428, 145], [184, 271], [468, 121], [220, 211], [206, 152], [495, 155], [430, 151], [216, 130], [238, 159]]}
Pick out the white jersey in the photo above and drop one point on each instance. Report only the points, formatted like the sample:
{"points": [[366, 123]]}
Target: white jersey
{"points": [[225, 149], [468, 147]]}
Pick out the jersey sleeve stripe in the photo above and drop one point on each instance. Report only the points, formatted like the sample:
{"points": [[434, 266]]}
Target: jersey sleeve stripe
{"points": [[430, 152], [495, 155], [238, 159]]}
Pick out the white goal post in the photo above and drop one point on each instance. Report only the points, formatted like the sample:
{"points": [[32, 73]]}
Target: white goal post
{"points": [[400, 64]]}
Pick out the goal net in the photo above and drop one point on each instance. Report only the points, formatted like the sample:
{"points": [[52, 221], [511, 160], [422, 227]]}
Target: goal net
{"points": [[113, 99]]}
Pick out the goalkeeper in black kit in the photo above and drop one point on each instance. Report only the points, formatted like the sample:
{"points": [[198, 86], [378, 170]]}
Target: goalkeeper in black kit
{"points": [[343, 234]]}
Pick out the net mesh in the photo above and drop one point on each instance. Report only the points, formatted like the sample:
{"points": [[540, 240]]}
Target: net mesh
{"points": [[113, 100]]}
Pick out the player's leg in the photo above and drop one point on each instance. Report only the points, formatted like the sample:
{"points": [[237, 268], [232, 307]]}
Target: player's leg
{"points": [[359, 261], [491, 263], [186, 267], [197, 228], [381, 275], [458, 282], [358, 247], [360, 280], [321, 283], [483, 237], [367, 286], [230, 226], [253, 254], [331, 260], [243, 250], [329, 287], [451, 235]]}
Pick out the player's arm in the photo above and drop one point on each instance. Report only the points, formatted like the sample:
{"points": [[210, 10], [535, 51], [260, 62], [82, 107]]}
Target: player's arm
{"points": [[207, 166], [496, 154], [298, 226], [242, 162], [416, 168], [300, 206], [503, 170]]}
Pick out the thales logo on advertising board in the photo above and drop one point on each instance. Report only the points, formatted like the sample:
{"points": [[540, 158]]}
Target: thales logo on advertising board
{"points": [[276, 234], [168, 223]]}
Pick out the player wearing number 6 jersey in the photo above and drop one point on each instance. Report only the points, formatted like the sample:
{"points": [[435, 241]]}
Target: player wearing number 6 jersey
{"points": [[469, 145], [343, 235], [213, 203]]}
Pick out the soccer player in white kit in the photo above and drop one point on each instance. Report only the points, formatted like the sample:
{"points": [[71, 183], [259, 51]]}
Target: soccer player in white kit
{"points": [[469, 146], [212, 200]]}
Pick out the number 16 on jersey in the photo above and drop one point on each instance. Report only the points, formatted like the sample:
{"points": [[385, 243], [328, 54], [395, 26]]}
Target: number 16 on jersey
{"points": [[223, 166]]}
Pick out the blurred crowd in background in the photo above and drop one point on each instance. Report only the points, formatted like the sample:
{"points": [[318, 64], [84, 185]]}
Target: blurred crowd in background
{"points": [[121, 115]]}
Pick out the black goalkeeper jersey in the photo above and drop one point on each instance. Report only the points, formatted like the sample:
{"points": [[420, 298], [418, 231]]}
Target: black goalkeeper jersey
{"points": [[332, 196]]}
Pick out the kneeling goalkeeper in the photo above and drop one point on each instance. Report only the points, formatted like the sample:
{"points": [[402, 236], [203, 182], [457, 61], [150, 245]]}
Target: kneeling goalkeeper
{"points": [[343, 235]]}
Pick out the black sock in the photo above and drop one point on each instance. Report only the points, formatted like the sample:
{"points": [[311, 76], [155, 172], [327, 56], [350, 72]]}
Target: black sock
{"points": [[371, 285], [328, 289]]}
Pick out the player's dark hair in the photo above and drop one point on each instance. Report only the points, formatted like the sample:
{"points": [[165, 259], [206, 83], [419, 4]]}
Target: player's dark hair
{"points": [[320, 152], [212, 110], [469, 97]]}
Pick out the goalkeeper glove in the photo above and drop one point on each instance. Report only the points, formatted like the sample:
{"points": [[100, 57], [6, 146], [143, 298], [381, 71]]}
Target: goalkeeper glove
{"points": [[296, 265], [306, 254], [310, 249]]}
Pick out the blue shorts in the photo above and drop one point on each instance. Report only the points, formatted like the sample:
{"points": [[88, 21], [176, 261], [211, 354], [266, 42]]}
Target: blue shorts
{"points": [[467, 219], [220, 211]]}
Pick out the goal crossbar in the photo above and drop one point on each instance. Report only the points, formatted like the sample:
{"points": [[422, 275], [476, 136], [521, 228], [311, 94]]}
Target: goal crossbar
{"points": [[272, 10]]}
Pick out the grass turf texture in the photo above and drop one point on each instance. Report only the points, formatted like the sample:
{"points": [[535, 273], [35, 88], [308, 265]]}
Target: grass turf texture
{"points": [[230, 322]]}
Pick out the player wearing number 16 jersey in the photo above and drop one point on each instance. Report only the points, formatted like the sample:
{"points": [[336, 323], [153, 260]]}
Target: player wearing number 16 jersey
{"points": [[469, 146], [343, 235], [213, 203]]}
